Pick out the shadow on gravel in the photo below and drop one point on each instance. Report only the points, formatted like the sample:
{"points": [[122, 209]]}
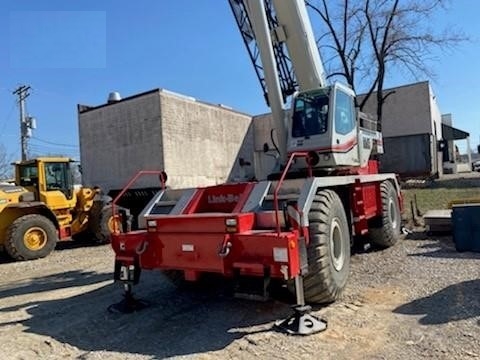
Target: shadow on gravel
{"points": [[77, 243], [454, 303], [439, 246], [4, 258], [178, 322], [417, 235], [61, 245], [53, 282]]}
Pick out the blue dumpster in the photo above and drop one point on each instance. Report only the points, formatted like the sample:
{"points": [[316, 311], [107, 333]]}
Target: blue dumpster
{"points": [[466, 227]]}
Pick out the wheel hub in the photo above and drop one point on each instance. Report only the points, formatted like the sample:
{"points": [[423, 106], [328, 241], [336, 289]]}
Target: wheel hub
{"points": [[337, 251], [35, 239], [114, 224], [392, 213]]}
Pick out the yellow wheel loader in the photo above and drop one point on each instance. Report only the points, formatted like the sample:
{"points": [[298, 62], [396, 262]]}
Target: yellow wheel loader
{"points": [[44, 207]]}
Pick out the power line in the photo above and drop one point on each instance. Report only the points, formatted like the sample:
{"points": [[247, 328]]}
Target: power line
{"points": [[53, 148], [54, 143], [49, 152], [7, 119]]}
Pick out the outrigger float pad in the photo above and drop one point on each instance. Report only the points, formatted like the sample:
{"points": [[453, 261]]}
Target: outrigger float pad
{"points": [[128, 305], [301, 322]]}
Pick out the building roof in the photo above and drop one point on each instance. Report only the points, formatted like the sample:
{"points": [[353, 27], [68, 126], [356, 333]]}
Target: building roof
{"points": [[86, 108], [451, 133]]}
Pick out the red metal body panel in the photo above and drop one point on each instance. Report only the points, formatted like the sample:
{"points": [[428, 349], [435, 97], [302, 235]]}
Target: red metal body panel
{"points": [[128, 246], [65, 233], [222, 198], [258, 248], [186, 251], [366, 203], [371, 200], [250, 253], [202, 223]]}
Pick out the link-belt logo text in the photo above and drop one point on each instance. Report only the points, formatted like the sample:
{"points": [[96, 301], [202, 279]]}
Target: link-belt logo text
{"points": [[222, 199]]}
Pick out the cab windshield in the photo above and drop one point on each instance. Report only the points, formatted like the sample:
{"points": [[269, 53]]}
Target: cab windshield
{"points": [[57, 176], [28, 175], [310, 115]]}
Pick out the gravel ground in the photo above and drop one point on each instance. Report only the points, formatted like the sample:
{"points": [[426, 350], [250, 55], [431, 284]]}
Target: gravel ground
{"points": [[419, 299]]}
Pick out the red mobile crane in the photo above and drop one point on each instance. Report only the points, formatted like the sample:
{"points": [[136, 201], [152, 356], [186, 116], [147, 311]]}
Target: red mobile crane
{"points": [[300, 222]]}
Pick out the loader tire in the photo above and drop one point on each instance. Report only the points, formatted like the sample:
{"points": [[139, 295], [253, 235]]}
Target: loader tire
{"points": [[387, 231], [328, 251], [31, 237], [103, 224]]}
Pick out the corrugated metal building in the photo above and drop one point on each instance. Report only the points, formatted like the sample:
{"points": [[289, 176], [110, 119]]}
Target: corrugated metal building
{"points": [[196, 143], [411, 128]]}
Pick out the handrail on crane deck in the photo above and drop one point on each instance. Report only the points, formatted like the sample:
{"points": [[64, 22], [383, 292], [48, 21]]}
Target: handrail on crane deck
{"points": [[282, 178], [132, 180]]}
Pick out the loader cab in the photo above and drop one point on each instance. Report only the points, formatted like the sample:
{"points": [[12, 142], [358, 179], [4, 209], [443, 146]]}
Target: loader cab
{"points": [[324, 121], [50, 179]]}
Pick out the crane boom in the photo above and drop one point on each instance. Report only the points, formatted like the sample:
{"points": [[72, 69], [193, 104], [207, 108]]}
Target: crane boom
{"points": [[323, 119], [257, 15], [269, 28], [294, 28]]}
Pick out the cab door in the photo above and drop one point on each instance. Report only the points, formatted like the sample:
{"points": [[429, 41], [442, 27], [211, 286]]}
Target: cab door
{"points": [[344, 136], [56, 185]]}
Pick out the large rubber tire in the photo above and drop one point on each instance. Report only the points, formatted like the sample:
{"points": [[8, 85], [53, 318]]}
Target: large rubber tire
{"points": [[31, 237], [102, 224], [387, 231], [328, 251]]}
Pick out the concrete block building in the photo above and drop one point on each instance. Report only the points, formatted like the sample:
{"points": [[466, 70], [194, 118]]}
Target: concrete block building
{"points": [[414, 131], [411, 128], [196, 143]]}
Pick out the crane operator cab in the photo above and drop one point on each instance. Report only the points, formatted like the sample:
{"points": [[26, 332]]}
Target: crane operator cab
{"points": [[325, 122]]}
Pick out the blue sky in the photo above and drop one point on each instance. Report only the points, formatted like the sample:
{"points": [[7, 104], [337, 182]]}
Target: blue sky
{"points": [[77, 52]]}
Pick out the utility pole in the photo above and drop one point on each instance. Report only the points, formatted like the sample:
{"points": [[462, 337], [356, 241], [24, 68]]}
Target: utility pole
{"points": [[27, 123]]}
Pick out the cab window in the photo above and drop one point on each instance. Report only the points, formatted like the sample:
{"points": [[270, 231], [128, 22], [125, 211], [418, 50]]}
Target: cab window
{"points": [[28, 175], [310, 116], [344, 113], [56, 176]]}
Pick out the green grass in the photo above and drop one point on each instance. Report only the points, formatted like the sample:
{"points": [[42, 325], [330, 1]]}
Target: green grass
{"points": [[437, 198]]}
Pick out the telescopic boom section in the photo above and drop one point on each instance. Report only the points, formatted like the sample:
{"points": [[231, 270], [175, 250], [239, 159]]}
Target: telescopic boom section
{"points": [[295, 29], [261, 35], [280, 33]]}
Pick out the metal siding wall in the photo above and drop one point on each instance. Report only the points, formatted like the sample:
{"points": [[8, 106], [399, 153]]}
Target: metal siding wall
{"points": [[406, 111], [407, 155]]}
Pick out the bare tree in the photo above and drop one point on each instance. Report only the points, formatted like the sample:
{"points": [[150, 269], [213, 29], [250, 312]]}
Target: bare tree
{"points": [[5, 164], [372, 38], [343, 40]]}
